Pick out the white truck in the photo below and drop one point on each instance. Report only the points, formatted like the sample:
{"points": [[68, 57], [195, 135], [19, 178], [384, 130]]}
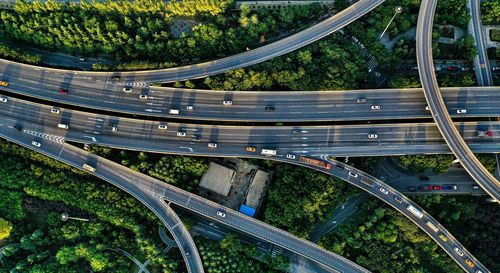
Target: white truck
{"points": [[268, 152]]}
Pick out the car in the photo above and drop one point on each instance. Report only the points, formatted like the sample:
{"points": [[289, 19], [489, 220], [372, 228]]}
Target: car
{"points": [[435, 187], [479, 271], [384, 190], [461, 111], [181, 134], [221, 213], [353, 174], [162, 127], [143, 96], [2, 83], [372, 136], [412, 188], [443, 237], [452, 68], [55, 111], [361, 100], [375, 107], [63, 91], [290, 156], [36, 144], [251, 149], [227, 102], [212, 145], [423, 187], [469, 263], [458, 251], [450, 187], [195, 138], [63, 126], [18, 127], [475, 187], [270, 109], [423, 178], [115, 78], [427, 108], [398, 198], [484, 133], [114, 128], [3, 99], [187, 252], [127, 89], [81, 59], [296, 131], [189, 107]]}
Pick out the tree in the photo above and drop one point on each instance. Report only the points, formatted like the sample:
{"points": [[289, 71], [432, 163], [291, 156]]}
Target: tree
{"points": [[5, 228]]}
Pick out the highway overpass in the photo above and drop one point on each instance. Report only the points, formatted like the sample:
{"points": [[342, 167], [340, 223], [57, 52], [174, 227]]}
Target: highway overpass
{"points": [[438, 108]]}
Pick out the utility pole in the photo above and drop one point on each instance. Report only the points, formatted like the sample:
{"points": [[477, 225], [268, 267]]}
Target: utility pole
{"points": [[397, 11]]}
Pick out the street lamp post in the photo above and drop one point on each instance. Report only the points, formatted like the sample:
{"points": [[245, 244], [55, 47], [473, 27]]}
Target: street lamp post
{"points": [[397, 11], [65, 217]]}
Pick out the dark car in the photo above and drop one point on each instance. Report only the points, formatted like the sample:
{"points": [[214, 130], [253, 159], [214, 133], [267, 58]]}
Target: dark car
{"points": [[435, 187], [412, 188], [270, 108], [450, 187], [63, 91], [424, 178], [424, 187], [115, 78], [453, 68], [18, 127]]}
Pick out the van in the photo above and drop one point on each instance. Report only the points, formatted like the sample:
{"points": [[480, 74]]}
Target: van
{"points": [[63, 126], [173, 112]]}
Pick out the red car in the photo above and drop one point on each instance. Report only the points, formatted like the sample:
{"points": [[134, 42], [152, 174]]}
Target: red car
{"points": [[63, 91], [435, 187]]}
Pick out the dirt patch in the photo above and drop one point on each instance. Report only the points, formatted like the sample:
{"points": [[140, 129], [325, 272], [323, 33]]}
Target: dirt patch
{"points": [[180, 26]]}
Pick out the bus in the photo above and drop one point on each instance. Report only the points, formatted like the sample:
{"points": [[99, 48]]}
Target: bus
{"points": [[316, 162], [88, 168], [415, 211], [432, 226]]}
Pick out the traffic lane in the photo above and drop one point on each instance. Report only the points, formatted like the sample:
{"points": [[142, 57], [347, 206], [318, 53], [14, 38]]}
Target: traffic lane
{"points": [[442, 119]]}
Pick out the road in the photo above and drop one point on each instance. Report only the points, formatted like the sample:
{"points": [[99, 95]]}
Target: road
{"points": [[339, 140], [481, 63], [402, 179], [438, 109], [213, 67], [119, 175], [246, 105], [151, 192], [339, 215]]}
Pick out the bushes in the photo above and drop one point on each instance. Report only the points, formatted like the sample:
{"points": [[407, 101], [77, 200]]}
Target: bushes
{"points": [[18, 56]]}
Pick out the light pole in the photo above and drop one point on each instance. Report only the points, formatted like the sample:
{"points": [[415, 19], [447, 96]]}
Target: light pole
{"points": [[65, 217], [397, 11]]}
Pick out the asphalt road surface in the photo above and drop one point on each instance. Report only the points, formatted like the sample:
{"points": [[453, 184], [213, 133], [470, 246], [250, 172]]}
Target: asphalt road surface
{"points": [[437, 107], [481, 63]]}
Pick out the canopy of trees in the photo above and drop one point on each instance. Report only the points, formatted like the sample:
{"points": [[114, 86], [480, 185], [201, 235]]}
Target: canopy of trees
{"points": [[418, 163], [5, 228]]}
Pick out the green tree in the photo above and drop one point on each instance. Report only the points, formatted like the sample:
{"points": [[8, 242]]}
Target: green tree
{"points": [[5, 228]]}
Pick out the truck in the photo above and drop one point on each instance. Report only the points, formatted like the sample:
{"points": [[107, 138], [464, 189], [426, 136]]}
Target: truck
{"points": [[268, 152], [367, 181], [88, 168], [173, 112], [432, 226], [415, 211], [316, 162]]}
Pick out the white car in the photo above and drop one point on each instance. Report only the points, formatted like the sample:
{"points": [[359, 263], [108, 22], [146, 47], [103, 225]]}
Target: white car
{"points": [[36, 144], [221, 213], [372, 136], [375, 107], [384, 191], [3, 99], [162, 127], [458, 251], [55, 111], [181, 134], [212, 145], [227, 102], [114, 128], [189, 107], [427, 108], [353, 174], [143, 96], [127, 89], [290, 156], [461, 111]]}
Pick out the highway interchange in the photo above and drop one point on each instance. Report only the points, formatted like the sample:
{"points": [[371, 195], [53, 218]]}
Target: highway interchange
{"points": [[90, 128]]}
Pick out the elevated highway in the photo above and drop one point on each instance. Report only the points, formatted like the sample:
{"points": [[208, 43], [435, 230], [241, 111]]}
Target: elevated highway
{"points": [[438, 108]]}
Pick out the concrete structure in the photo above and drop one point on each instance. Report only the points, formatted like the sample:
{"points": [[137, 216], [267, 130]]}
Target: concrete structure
{"points": [[218, 179]]}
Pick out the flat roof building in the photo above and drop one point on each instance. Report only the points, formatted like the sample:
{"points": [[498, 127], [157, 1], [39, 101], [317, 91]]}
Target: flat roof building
{"points": [[218, 179]]}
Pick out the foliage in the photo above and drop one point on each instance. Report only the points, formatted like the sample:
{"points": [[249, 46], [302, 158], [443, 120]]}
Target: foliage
{"points": [[231, 255], [489, 161], [5, 228], [18, 56], [383, 240], [11, 203], [495, 35], [298, 198], [419, 163], [490, 11]]}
